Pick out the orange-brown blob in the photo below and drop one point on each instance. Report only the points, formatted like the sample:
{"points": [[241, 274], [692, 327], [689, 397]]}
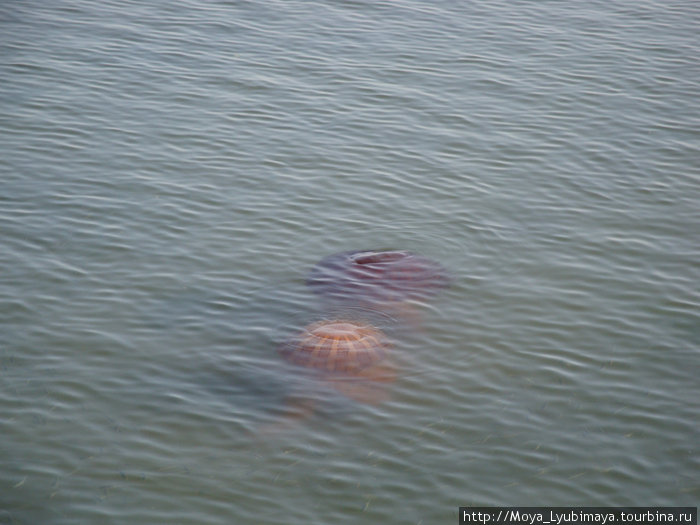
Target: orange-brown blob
{"points": [[337, 346]]}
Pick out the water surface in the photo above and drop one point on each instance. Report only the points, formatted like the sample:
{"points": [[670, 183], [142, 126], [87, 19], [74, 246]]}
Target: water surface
{"points": [[172, 171]]}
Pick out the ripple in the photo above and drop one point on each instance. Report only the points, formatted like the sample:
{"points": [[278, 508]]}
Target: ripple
{"points": [[172, 173]]}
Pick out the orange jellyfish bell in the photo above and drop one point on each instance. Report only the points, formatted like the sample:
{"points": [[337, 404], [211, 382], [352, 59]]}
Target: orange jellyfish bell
{"points": [[337, 346], [350, 355]]}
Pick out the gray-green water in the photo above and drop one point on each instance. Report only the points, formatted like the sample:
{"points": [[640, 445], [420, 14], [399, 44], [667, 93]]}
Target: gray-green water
{"points": [[170, 171]]}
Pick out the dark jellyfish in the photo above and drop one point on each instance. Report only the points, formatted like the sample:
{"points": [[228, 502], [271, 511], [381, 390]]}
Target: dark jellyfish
{"points": [[376, 276]]}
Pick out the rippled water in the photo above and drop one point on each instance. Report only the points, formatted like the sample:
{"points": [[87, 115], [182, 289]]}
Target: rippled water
{"points": [[171, 171]]}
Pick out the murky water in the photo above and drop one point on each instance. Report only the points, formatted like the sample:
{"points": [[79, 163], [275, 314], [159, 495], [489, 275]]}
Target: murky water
{"points": [[171, 172]]}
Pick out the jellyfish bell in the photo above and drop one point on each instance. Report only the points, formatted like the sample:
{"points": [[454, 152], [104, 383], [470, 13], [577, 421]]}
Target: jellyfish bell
{"points": [[393, 281], [337, 346], [340, 358], [377, 276], [349, 355]]}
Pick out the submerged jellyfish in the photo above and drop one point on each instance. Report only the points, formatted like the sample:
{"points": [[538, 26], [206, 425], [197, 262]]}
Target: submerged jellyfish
{"points": [[377, 276], [349, 355], [387, 281]]}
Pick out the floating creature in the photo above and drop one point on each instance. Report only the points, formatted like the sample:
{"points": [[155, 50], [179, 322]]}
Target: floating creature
{"points": [[375, 276], [349, 355], [392, 282], [342, 356]]}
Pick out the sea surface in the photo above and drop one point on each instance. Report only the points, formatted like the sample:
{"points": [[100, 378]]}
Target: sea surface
{"points": [[170, 172]]}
